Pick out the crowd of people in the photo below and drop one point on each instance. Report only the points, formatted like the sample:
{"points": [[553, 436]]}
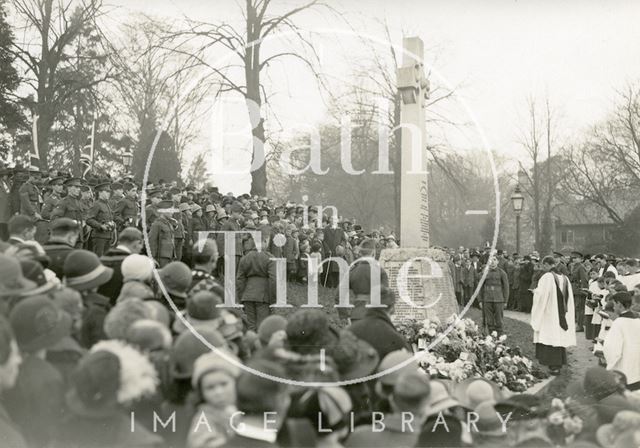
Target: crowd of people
{"points": [[105, 345]]}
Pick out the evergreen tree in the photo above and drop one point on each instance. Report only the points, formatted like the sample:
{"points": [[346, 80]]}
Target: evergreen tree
{"points": [[9, 111]]}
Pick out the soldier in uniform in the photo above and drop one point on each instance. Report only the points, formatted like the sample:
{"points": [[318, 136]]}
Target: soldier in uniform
{"points": [[100, 218], [53, 198], [180, 231], [187, 225], [161, 235], [579, 282], [495, 294], [86, 197], [116, 195], [151, 210], [561, 266], [126, 212], [70, 206], [29, 197]]}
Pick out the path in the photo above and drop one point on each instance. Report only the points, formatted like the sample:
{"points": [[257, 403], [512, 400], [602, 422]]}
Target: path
{"points": [[579, 359]]}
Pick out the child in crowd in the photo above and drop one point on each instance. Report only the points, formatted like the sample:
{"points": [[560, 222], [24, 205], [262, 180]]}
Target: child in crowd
{"points": [[214, 379], [303, 261], [316, 253]]}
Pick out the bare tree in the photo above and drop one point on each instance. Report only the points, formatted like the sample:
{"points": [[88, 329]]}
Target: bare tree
{"points": [[540, 139], [246, 47], [376, 77], [156, 86], [604, 168], [49, 28]]}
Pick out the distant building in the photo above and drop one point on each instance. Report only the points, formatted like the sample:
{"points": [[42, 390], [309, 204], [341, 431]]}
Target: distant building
{"points": [[583, 227], [584, 237]]}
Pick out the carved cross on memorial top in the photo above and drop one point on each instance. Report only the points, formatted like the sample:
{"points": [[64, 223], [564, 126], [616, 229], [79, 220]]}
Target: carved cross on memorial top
{"points": [[413, 88]]}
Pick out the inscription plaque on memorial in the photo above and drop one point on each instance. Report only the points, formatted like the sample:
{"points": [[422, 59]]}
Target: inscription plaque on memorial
{"points": [[421, 281]]}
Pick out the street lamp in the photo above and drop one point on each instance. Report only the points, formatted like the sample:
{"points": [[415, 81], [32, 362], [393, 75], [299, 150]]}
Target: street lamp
{"points": [[517, 201], [127, 160]]}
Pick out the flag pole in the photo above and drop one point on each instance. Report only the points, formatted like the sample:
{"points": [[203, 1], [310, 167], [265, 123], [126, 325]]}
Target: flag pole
{"points": [[34, 155], [90, 157]]}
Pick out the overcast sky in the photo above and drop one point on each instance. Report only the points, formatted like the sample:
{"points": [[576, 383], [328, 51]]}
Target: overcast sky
{"points": [[501, 52]]}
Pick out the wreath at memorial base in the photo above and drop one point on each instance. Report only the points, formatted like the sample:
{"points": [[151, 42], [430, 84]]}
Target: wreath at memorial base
{"points": [[465, 352]]}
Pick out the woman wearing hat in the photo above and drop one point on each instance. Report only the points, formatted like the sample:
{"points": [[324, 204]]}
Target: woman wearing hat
{"points": [[84, 272], [10, 361], [36, 399], [107, 382], [198, 222], [210, 217], [13, 283]]}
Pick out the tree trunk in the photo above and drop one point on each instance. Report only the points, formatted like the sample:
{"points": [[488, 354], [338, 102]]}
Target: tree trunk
{"points": [[252, 78], [397, 149]]}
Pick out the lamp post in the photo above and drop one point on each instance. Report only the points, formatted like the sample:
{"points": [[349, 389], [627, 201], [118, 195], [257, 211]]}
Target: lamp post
{"points": [[127, 160], [517, 201]]}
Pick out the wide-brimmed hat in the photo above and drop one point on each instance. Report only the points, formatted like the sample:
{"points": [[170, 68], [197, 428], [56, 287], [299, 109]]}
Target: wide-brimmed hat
{"points": [[12, 281], [83, 270], [391, 360], [623, 421], [488, 422], [471, 392], [38, 323], [34, 272], [439, 399]]}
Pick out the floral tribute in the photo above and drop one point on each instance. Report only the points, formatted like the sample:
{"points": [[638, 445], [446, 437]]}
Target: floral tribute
{"points": [[564, 421], [465, 352]]}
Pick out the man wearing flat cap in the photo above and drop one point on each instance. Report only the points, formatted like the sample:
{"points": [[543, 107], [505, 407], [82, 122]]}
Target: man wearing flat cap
{"points": [[579, 282], [70, 206], [62, 240], [100, 218]]}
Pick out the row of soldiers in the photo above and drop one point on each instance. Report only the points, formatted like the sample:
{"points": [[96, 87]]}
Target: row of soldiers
{"points": [[103, 208]]}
